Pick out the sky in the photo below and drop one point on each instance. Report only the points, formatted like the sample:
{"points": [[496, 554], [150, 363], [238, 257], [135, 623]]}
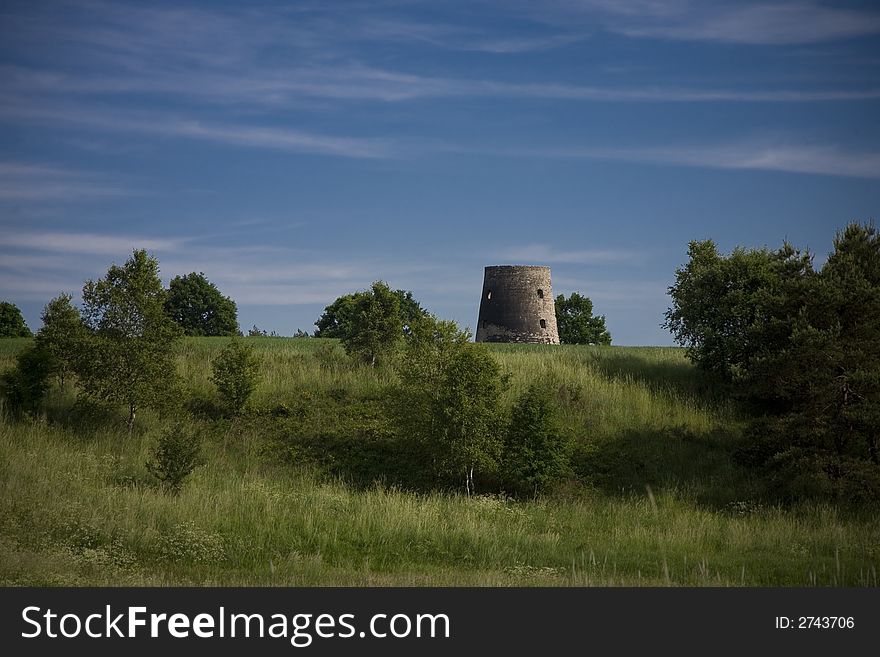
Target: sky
{"points": [[297, 151]]}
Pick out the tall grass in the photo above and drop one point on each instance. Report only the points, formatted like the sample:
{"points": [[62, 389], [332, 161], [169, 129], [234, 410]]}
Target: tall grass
{"points": [[77, 507]]}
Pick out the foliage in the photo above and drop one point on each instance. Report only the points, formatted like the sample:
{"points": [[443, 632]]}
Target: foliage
{"points": [[724, 309], [61, 334], [236, 372], [301, 334], [818, 390], [449, 400], [535, 450], [373, 325], [199, 308], [175, 456], [25, 385], [803, 349], [126, 354], [336, 321], [576, 323], [12, 324]]}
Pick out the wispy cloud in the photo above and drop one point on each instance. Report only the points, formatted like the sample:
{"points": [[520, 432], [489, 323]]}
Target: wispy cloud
{"points": [[86, 243], [252, 136], [781, 22], [821, 160], [777, 23], [356, 82], [29, 182], [543, 253]]}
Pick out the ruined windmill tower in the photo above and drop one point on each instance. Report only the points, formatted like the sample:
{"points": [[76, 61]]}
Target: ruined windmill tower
{"points": [[517, 306]]}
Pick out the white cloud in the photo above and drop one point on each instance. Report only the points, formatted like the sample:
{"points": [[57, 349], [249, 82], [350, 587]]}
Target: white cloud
{"points": [[88, 243], [820, 160], [28, 182], [777, 23]]}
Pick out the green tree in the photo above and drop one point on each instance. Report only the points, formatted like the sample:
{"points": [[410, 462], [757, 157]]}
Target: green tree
{"points": [[576, 323], [374, 326], [335, 322], [535, 451], [12, 324], [236, 372], [199, 308], [725, 309], [175, 456], [25, 385], [61, 334], [448, 401], [816, 385], [126, 354]]}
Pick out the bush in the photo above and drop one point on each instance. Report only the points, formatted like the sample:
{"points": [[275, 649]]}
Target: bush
{"points": [[536, 453], [25, 385], [12, 324], [448, 401], [236, 372], [175, 456]]}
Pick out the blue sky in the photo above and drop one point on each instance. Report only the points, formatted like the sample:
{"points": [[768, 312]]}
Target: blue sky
{"points": [[296, 151]]}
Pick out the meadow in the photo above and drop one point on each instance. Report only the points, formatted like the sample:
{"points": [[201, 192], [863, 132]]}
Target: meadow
{"points": [[281, 500]]}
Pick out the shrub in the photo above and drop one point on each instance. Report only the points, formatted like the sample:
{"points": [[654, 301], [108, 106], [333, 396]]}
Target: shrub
{"points": [[25, 385], [536, 453], [174, 457], [236, 372], [448, 401]]}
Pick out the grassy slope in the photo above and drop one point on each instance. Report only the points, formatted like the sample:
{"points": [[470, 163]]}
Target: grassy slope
{"points": [[76, 508]]}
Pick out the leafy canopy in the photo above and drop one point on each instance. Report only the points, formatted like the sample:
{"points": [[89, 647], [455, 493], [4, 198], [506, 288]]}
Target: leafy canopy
{"points": [[236, 372], [448, 401], [535, 451], [576, 323], [126, 354], [12, 324], [199, 308], [61, 334], [373, 325], [336, 320]]}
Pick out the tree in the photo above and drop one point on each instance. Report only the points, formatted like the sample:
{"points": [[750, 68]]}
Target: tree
{"points": [[126, 354], [335, 322], [724, 309], [816, 385], [374, 325], [576, 323], [25, 385], [61, 333], [535, 451], [199, 308], [174, 457], [236, 372], [12, 324], [448, 400]]}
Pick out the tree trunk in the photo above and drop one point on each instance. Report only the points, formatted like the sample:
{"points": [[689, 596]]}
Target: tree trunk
{"points": [[131, 414]]}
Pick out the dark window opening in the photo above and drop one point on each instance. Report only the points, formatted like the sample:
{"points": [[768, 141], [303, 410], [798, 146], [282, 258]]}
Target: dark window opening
{"points": [[540, 293], [543, 323]]}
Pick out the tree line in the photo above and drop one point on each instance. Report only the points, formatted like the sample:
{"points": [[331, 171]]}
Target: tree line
{"points": [[800, 348]]}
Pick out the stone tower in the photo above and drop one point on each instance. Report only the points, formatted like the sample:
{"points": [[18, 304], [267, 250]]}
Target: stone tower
{"points": [[517, 306]]}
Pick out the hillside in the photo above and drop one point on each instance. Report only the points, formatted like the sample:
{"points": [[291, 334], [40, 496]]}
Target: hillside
{"points": [[289, 494]]}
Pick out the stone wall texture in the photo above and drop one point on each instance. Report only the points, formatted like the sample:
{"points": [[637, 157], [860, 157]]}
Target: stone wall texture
{"points": [[517, 306]]}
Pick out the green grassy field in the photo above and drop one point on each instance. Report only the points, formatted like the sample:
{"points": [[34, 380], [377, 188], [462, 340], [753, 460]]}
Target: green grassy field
{"points": [[661, 502]]}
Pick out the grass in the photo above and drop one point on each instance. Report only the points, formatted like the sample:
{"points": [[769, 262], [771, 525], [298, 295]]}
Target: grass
{"points": [[664, 504]]}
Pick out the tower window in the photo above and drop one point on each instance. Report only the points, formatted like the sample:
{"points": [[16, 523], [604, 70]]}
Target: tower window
{"points": [[543, 323], [488, 295], [540, 293]]}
